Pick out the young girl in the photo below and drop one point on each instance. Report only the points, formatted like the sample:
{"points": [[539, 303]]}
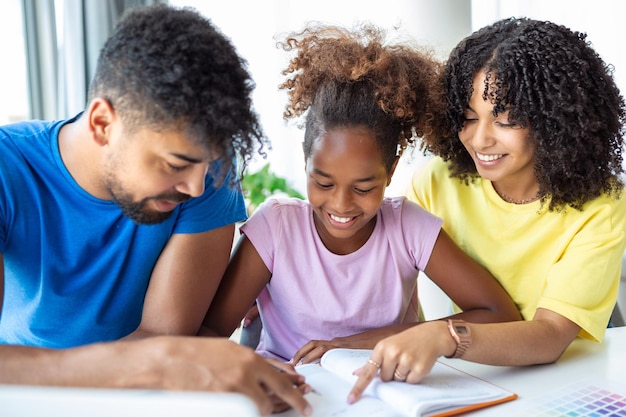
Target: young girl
{"points": [[534, 166], [340, 269]]}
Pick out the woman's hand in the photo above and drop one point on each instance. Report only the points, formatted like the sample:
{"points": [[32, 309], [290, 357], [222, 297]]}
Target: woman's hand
{"points": [[408, 356]]}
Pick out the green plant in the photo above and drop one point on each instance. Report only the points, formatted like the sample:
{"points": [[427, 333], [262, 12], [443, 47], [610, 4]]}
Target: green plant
{"points": [[260, 185]]}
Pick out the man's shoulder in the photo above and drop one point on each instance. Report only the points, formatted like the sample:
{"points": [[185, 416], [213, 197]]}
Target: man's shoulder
{"points": [[27, 128]]}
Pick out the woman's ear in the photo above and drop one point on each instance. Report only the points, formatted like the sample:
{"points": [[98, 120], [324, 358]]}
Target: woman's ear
{"points": [[100, 115]]}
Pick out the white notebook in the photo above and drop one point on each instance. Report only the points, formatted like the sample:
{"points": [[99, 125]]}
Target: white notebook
{"points": [[29, 401]]}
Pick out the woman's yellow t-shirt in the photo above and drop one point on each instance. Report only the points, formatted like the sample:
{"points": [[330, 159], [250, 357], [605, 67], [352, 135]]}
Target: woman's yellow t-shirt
{"points": [[568, 262]]}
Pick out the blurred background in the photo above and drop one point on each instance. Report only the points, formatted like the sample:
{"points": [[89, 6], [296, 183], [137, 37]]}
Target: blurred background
{"points": [[49, 48]]}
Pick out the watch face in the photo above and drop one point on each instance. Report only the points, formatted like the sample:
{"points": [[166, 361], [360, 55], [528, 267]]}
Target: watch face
{"points": [[461, 329]]}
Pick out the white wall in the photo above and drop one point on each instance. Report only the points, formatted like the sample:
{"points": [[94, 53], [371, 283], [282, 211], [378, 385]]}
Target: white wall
{"points": [[13, 83], [602, 20], [254, 26]]}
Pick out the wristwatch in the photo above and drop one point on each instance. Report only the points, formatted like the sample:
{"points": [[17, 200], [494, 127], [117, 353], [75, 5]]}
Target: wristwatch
{"points": [[460, 332]]}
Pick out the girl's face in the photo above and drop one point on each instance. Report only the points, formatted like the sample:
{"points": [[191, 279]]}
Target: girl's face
{"points": [[346, 181], [502, 152]]}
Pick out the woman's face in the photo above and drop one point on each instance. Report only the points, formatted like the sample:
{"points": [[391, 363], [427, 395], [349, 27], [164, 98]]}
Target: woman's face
{"points": [[503, 152], [346, 181]]}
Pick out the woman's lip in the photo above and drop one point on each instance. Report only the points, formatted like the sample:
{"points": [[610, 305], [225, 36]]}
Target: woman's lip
{"points": [[488, 159]]}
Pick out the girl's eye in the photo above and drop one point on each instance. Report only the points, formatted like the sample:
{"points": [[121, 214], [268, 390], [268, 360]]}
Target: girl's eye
{"points": [[324, 186], [361, 191]]}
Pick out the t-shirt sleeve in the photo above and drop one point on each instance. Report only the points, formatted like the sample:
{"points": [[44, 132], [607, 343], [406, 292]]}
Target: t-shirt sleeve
{"points": [[263, 229], [218, 206], [582, 284], [421, 186], [420, 229]]}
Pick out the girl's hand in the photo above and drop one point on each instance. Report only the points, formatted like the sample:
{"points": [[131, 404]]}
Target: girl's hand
{"points": [[250, 316], [314, 349]]}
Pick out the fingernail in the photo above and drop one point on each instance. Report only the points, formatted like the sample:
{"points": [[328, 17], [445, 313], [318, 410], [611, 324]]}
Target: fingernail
{"points": [[351, 399], [308, 410], [246, 322]]}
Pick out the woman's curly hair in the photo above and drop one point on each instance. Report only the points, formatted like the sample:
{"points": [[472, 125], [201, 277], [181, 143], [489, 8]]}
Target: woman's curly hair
{"points": [[346, 78], [554, 83], [171, 68]]}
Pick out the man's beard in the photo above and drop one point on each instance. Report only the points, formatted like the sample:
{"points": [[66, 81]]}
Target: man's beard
{"points": [[136, 210]]}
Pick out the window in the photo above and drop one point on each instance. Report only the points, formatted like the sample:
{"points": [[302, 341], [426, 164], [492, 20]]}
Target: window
{"points": [[13, 83]]}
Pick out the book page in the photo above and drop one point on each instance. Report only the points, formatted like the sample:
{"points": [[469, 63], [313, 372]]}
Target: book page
{"points": [[329, 398], [445, 388]]}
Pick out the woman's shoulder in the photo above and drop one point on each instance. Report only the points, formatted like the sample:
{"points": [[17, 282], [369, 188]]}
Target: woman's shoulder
{"points": [[614, 205], [434, 171]]}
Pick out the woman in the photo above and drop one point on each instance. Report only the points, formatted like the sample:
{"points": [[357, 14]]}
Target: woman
{"points": [[528, 184]]}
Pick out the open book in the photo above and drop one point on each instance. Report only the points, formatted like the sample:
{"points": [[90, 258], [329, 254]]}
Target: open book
{"points": [[445, 391]]}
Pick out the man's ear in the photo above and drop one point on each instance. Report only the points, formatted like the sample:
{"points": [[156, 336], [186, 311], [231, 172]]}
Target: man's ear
{"points": [[100, 115], [392, 170]]}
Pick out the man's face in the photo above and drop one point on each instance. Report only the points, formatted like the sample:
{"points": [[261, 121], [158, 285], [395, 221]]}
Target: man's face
{"points": [[148, 173]]}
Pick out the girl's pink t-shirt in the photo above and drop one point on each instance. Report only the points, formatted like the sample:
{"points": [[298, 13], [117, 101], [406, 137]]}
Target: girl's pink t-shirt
{"points": [[315, 294]]}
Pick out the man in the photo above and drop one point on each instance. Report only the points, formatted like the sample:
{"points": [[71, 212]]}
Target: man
{"points": [[118, 223]]}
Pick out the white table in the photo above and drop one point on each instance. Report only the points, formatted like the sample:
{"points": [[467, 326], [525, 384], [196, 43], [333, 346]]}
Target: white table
{"points": [[583, 359]]}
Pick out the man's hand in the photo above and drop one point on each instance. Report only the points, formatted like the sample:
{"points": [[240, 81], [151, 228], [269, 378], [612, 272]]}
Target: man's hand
{"points": [[211, 364]]}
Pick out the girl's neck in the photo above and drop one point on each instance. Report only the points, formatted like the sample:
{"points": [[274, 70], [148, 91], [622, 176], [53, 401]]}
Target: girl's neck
{"points": [[345, 246]]}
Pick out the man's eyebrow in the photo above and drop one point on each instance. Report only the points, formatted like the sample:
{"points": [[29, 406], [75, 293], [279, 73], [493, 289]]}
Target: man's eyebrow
{"points": [[323, 174], [187, 158]]}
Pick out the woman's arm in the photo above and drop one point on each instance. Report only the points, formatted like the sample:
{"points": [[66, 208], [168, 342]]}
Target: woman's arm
{"points": [[413, 352]]}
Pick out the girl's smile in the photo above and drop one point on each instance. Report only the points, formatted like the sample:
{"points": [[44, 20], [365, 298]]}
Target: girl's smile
{"points": [[346, 185]]}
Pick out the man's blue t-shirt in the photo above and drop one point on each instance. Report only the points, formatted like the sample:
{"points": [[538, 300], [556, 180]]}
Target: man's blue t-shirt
{"points": [[76, 270]]}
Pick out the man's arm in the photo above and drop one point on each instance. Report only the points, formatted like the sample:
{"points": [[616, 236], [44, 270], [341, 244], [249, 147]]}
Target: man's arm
{"points": [[1, 282], [184, 281], [164, 362]]}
